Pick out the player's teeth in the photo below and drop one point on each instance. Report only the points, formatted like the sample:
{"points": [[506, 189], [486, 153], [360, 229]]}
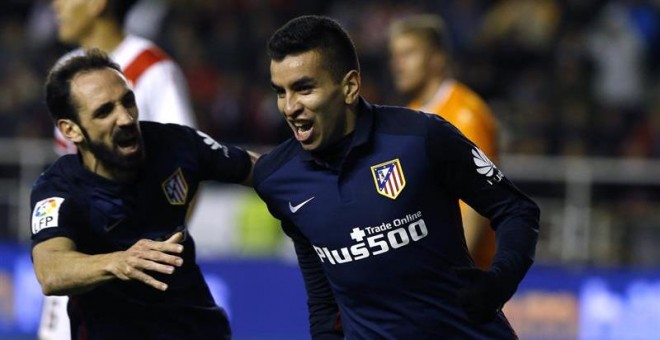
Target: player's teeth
{"points": [[303, 126]]}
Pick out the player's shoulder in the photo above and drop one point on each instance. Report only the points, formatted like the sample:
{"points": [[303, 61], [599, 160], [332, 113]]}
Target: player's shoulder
{"points": [[166, 133], [139, 53], [58, 177], [468, 98], [275, 159], [403, 121]]}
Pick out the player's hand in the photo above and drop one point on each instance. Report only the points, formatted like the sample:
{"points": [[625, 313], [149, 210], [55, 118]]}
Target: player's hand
{"points": [[149, 255], [484, 295]]}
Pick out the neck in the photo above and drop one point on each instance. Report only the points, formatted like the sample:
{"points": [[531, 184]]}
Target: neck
{"points": [[426, 92], [92, 164], [106, 35], [351, 118]]}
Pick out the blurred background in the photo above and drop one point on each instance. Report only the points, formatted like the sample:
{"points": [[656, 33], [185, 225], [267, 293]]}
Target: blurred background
{"points": [[575, 85]]}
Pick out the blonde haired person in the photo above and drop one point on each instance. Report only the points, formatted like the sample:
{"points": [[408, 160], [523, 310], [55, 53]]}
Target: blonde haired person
{"points": [[420, 54]]}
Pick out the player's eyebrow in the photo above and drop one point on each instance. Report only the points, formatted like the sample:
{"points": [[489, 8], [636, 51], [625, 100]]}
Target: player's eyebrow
{"points": [[302, 83], [107, 107], [103, 110], [276, 88]]}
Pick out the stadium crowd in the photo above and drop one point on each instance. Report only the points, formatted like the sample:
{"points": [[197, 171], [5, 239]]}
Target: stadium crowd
{"points": [[564, 77]]}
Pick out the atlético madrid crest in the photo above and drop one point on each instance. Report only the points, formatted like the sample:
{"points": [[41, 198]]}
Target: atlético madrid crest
{"points": [[389, 178], [176, 188]]}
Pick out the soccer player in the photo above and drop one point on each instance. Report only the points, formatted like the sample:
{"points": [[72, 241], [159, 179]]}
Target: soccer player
{"points": [[158, 82], [108, 224], [369, 195], [420, 64]]}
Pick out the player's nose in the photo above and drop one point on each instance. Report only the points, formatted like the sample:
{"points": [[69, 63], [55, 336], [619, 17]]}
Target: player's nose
{"points": [[292, 106], [125, 116]]}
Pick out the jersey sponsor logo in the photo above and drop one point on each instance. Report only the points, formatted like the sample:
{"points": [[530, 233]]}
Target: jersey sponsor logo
{"points": [[389, 178], [486, 167], [175, 188], [295, 208], [46, 214], [377, 240], [213, 144]]}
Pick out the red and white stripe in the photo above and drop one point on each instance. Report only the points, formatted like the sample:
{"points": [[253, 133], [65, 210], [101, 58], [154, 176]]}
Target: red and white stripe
{"points": [[395, 181]]}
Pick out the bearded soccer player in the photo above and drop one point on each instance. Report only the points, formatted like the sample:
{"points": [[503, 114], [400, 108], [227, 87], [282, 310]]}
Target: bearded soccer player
{"points": [[108, 223], [157, 81], [421, 67], [369, 195]]}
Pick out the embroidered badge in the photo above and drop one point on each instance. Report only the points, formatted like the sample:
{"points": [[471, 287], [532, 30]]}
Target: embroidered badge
{"points": [[176, 188], [389, 178], [46, 214]]}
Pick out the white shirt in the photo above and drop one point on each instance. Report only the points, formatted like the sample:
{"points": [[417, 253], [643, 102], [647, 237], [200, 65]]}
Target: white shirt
{"points": [[158, 83]]}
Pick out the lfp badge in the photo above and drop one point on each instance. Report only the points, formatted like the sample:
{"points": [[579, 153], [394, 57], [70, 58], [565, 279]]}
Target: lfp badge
{"points": [[389, 178]]}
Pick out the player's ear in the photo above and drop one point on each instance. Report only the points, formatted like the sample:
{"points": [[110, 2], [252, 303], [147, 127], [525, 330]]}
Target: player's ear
{"points": [[70, 130], [351, 86]]}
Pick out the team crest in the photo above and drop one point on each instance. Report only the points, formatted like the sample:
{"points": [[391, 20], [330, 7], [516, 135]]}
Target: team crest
{"points": [[176, 188], [389, 178]]}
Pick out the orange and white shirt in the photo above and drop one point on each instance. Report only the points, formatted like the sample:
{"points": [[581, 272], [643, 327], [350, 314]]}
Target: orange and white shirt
{"points": [[158, 82], [464, 109]]}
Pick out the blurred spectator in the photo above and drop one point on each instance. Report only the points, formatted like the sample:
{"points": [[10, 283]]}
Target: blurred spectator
{"points": [[618, 51]]}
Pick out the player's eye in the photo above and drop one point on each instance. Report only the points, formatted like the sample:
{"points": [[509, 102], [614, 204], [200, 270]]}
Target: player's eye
{"points": [[103, 111], [278, 91], [306, 89], [129, 100]]}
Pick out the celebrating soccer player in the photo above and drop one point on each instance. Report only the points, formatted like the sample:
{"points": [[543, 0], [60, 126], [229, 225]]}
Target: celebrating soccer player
{"points": [[369, 194], [108, 224]]}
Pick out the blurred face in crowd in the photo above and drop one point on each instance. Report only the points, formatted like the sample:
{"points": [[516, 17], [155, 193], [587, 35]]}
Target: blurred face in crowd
{"points": [[75, 18], [315, 104], [413, 62], [109, 134]]}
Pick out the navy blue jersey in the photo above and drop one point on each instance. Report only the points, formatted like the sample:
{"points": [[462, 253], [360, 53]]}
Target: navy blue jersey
{"points": [[103, 216], [378, 231]]}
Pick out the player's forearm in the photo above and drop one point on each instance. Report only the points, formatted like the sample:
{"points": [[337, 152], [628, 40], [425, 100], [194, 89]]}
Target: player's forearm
{"points": [[517, 235], [324, 320], [70, 272]]}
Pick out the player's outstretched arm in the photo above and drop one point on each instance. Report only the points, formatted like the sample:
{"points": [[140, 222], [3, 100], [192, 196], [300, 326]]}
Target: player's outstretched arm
{"points": [[253, 159], [62, 270]]}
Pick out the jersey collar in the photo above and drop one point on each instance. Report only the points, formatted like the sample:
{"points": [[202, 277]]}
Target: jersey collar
{"points": [[361, 134]]}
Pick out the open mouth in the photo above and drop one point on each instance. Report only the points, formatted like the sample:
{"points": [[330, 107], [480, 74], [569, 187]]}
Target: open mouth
{"points": [[127, 142], [302, 129]]}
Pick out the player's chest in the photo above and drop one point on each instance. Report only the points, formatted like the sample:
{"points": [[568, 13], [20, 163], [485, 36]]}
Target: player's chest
{"points": [[154, 204], [373, 194]]}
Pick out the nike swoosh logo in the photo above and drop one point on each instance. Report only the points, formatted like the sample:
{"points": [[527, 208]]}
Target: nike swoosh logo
{"points": [[295, 208]]}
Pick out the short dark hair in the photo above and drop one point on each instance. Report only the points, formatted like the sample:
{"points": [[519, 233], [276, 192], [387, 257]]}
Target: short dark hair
{"points": [[58, 84], [309, 32]]}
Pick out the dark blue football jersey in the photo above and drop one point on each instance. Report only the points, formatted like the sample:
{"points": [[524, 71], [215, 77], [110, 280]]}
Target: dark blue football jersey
{"points": [[378, 231], [102, 216]]}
